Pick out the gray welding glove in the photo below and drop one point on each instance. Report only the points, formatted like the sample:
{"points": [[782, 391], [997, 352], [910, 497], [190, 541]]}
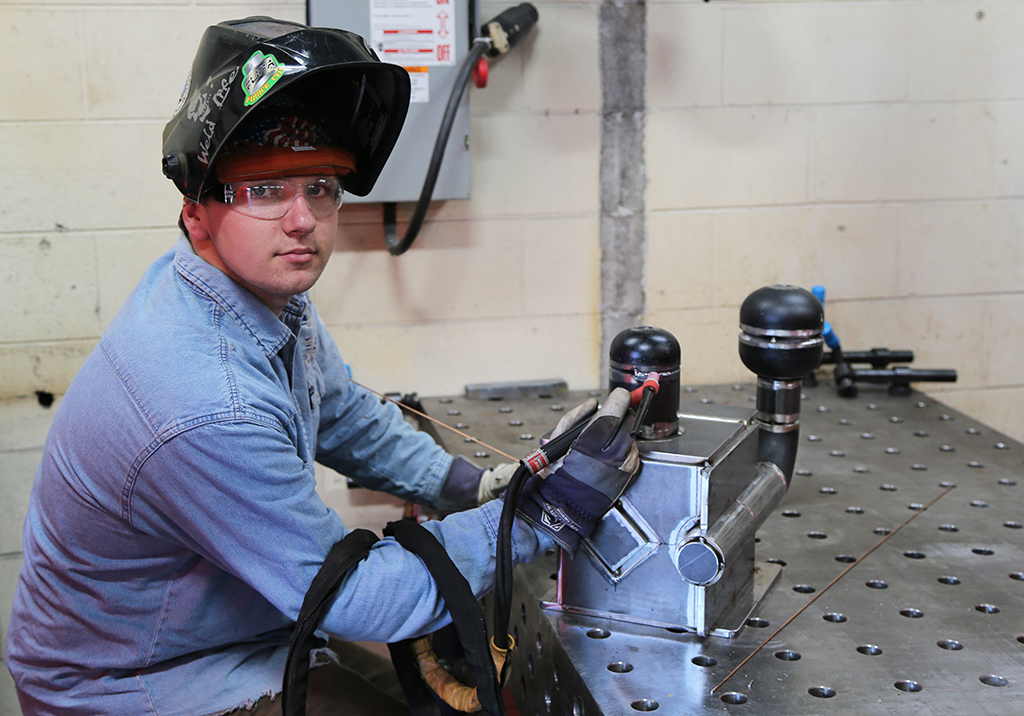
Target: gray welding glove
{"points": [[495, 480], [572, 499]]}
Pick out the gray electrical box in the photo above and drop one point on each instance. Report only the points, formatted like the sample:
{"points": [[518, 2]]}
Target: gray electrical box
{"points": [[430, 38]]}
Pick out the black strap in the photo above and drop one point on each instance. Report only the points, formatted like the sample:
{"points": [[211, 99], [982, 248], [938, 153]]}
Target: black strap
{"points": [[342, 557], [466, 614]]}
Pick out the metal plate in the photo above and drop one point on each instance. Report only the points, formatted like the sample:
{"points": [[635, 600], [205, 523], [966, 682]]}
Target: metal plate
{"points": [[930, 622]]}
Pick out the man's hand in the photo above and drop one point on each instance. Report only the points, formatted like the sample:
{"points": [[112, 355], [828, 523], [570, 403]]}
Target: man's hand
{"points": [[569, 502], [495, 480]]}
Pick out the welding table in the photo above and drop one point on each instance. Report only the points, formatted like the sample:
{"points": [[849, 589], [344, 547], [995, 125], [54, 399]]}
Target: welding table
{"points": [[931, 622]]}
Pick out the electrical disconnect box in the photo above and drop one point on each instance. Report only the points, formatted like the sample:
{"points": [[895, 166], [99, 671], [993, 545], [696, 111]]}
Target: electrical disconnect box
{"points": [[430, 38]]}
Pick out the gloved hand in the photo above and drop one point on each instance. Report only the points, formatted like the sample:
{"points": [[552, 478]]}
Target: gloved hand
{"points": [[495, 480], [572, 499]]}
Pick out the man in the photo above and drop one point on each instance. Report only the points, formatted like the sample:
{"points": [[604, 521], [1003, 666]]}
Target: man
{"points": [[174, 527]]}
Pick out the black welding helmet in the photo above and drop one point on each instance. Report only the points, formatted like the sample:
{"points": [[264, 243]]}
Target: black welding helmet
{"points": [[240, 63]]}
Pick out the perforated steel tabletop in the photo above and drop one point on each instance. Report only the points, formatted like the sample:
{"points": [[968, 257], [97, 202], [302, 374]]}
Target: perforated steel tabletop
{"points": [[930, 622]]}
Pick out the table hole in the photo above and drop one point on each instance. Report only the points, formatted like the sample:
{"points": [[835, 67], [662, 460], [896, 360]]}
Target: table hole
{"points": [[949, 528], [1007, 482], [644, 705], [822, 692], [869, 650], [914, 555], [620, 667], [780, 562], [855, 510], [877, 584], [993, 680], [846, 559], [911, 613], [804, 589], [734, 697], [882, 531], [704, 660], [817, 535], [950, 644], [908, 686], [887, 488], [979, 503], [1019, 576], [599, 633], [949, 579], [757, 622], [986, 608], [790, 513], [984, 551], [827, 490], [1013, 525], [787, 655], [835, 617]]}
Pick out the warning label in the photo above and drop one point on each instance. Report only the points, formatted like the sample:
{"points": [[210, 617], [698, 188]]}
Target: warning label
{"points": [[413, 32]]}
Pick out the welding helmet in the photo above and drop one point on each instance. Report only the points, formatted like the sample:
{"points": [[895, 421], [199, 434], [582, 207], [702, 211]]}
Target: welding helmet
{"points": [[240, 63]]}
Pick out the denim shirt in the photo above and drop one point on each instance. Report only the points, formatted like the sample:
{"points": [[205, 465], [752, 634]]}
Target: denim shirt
{"points": [[174, 525]]}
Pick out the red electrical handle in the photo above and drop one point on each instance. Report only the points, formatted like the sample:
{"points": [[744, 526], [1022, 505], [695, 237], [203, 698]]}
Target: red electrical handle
{"points": [[651, 382]]}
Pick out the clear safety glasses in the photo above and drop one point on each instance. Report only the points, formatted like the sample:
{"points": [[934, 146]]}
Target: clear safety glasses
{"points": [[273, 198]]}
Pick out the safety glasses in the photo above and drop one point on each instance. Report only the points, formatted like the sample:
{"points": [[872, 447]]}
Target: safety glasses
{"points": [[273, 198]]}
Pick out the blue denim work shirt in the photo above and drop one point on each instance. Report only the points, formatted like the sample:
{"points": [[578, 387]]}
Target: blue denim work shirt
{"points": [[174, 524]]}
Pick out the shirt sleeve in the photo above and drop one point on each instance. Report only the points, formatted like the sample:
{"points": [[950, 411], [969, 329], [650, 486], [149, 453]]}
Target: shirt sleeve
{"points": [[371, 442], [236, 493]]}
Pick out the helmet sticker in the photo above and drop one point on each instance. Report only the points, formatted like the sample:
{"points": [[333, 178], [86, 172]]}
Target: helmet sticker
{"points": [[261, 72], [184, 93]]}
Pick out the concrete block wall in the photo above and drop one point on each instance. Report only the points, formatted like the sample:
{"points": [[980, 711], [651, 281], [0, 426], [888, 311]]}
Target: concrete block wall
{"points": [[872, 146]]}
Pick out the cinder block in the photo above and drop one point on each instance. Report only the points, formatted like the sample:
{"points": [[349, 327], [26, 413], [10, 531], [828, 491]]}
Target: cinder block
{"points": [[726, 157], [1005, 333], [561, 265], [680, 260], [903, 152], [851, 250], [440, 277], [115, 168], [122, 259], [49, 366], [961, 247], [965, 51], [24, 423], [684, 55], [440, 358], [710, 337], [813, 53], [534, 164], [16, 477], [1008, 156], [553, 68], [44, 45], [942, 333], [122, 80], [50, 282]]}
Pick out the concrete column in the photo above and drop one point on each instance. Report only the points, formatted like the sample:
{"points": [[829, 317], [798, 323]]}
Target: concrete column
{"points": [[623, 177]]}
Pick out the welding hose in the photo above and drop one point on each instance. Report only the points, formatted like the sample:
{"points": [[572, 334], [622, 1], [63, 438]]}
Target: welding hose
{"points": [[502, 34], [398, 246]]}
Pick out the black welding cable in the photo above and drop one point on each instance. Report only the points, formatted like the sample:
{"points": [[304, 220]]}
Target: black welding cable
{"points": [[398, 246]]}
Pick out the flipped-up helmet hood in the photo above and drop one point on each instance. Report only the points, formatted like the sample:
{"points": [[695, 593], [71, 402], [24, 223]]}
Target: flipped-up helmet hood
{"points": [[242, 62]]}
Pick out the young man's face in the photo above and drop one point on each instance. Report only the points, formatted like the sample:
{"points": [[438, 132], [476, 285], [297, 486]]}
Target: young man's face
{"points": [[275, 259]]}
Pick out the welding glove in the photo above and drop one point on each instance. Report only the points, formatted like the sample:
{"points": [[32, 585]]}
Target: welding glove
{"points": [[495, 480], [572, 499]]}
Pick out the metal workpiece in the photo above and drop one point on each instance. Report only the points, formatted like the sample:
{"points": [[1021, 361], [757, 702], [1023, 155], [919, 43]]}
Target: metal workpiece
{"points": [[931, 621], [701, 558]]}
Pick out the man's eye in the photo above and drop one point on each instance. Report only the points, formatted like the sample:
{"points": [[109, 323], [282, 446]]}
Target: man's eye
{"points": [[265, 192], [319, 189]]}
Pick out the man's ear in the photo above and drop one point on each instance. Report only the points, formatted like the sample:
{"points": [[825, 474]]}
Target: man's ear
{"points": [[194, 217]]}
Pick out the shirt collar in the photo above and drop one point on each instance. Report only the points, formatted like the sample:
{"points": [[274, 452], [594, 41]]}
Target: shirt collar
{"points": [[252, 314]]}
